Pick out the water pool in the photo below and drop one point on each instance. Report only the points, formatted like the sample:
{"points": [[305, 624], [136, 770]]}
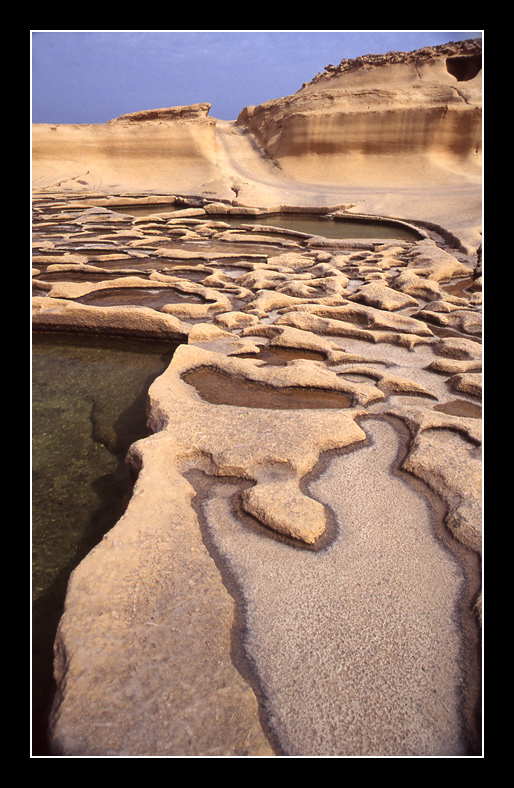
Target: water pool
{"points": [[330, 228], [88, 406], [310, 223]]}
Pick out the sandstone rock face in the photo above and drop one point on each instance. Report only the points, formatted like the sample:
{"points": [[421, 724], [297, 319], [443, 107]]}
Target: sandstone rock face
{"points": [[192, 112], [150, 149], [373, 112], [364, 134]]}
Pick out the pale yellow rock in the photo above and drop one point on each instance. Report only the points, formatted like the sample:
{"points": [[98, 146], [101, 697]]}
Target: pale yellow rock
{"points": [[417, 286], [379, 295], [435, 263], [217, 208], [458, 348], [206, 332], [231, 320], [370, 318], [281, 506], [468, 383], [185, 213], [261, 279], [411, 89], [437, 458], [211, 337], [125, 321], [342, 147], [454, 367], [146, 608]]}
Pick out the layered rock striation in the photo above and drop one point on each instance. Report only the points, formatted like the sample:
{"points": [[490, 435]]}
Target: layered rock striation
{"points": [[385, 133], [149, 149], [370, 113]]}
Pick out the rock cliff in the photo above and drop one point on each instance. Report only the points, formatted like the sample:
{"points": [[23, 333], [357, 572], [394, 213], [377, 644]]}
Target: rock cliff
{"points": [[148, 150], [388, 133], [388, 118]]}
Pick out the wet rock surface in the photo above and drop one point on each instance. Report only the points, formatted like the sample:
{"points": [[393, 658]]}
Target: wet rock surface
{"points": [[298, 570]]}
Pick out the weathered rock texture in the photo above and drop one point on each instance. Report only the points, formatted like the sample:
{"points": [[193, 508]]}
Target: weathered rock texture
{"points": [[414, 110], [150, 149], [298, 570]]}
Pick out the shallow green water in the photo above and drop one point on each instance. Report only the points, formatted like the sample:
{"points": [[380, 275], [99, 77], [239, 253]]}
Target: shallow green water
{"points": [[330, 228], [88, 406]]}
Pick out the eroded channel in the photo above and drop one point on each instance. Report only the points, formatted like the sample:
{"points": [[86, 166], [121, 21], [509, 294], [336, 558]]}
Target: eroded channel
{"points": [[367, 646]]}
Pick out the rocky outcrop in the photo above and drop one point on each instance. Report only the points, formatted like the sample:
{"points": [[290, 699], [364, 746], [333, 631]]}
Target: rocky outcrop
{"points": [[463, 60], [151, 150], [190, 112], [366, 133], [368, 114]]}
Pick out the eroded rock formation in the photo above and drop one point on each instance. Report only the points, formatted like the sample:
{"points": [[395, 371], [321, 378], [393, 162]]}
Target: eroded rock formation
{"points": [[413, 110], [147, 149], [298, 569]]}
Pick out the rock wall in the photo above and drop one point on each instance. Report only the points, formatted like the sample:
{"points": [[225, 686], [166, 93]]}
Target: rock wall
{"points": [[155, 149], [380, 120], [381, 117]]}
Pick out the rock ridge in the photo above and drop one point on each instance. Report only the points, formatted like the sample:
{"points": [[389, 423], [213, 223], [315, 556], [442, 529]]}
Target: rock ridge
{"points": [[470, 47], [188, 112], [368, 133]]}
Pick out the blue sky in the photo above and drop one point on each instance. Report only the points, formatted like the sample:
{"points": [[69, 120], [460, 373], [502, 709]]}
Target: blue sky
{"points": [[92, 76]]}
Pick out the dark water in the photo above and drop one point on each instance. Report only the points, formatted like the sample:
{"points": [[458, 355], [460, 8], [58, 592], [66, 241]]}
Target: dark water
{"points": [[328, 228], [88, 406], [221, 389]]}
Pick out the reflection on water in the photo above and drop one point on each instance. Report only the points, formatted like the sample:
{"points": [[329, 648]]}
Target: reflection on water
{"points": [[219, 388], [139, 296], [334, 228], [88, 406]]}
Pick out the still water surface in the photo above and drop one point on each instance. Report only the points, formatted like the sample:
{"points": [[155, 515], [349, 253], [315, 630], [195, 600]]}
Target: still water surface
{"points": [[88, 406], [313, 224], [330, 228]]}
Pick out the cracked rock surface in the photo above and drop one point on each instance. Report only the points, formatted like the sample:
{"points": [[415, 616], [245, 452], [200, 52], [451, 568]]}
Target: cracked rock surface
{"points": [[298, 569]]}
